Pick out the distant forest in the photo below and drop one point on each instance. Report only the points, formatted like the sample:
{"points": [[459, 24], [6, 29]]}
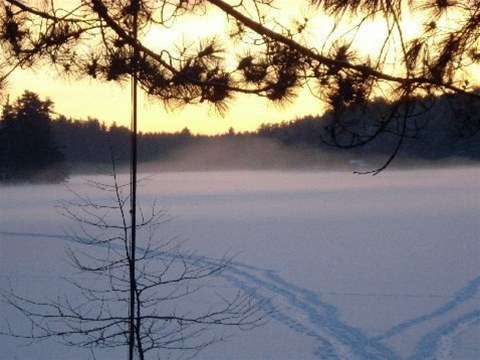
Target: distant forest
{"points": [[33, 139]]}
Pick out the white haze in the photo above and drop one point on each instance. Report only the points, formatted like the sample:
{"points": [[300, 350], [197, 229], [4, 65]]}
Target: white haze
{"points": [[238, 153], [354, 266]]}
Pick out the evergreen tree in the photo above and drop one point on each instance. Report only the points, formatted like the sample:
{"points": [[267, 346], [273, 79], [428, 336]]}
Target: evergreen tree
{"points": [[29, 151]]}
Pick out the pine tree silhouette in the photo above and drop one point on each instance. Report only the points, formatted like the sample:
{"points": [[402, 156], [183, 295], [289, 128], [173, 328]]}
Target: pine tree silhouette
{"points": [[28, 147]]}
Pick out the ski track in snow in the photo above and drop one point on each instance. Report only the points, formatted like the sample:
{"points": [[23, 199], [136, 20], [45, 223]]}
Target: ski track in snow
{"points": [[461, 296], [438, 344], [304, 312]]}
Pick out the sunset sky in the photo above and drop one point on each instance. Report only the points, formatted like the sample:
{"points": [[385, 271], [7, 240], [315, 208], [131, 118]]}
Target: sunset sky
{"points": [[110, 102]]}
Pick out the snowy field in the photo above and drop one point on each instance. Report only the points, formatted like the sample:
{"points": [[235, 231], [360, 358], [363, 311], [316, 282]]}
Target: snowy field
{"points": [[353, 267]]}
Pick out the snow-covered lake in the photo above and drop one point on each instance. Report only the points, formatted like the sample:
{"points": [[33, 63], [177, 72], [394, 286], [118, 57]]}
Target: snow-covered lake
{"points": [[355, 267]]}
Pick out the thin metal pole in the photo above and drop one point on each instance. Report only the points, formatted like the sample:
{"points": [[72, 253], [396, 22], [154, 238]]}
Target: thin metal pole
{"points": [[133, 181]]}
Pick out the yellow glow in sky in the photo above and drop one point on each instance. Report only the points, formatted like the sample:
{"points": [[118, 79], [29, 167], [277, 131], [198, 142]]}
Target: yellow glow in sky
{"points": [[110, 102]]}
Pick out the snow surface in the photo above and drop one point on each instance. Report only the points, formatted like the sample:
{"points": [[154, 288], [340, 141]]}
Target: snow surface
{"points": [[353, 267]]}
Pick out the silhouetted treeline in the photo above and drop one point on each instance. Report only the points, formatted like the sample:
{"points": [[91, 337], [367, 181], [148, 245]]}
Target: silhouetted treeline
{"points": [[28, 149], [90, 141], [434, 129]]}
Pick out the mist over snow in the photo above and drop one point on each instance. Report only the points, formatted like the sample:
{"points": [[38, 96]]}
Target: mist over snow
{"points": [[353, 267], [244, 153]]}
